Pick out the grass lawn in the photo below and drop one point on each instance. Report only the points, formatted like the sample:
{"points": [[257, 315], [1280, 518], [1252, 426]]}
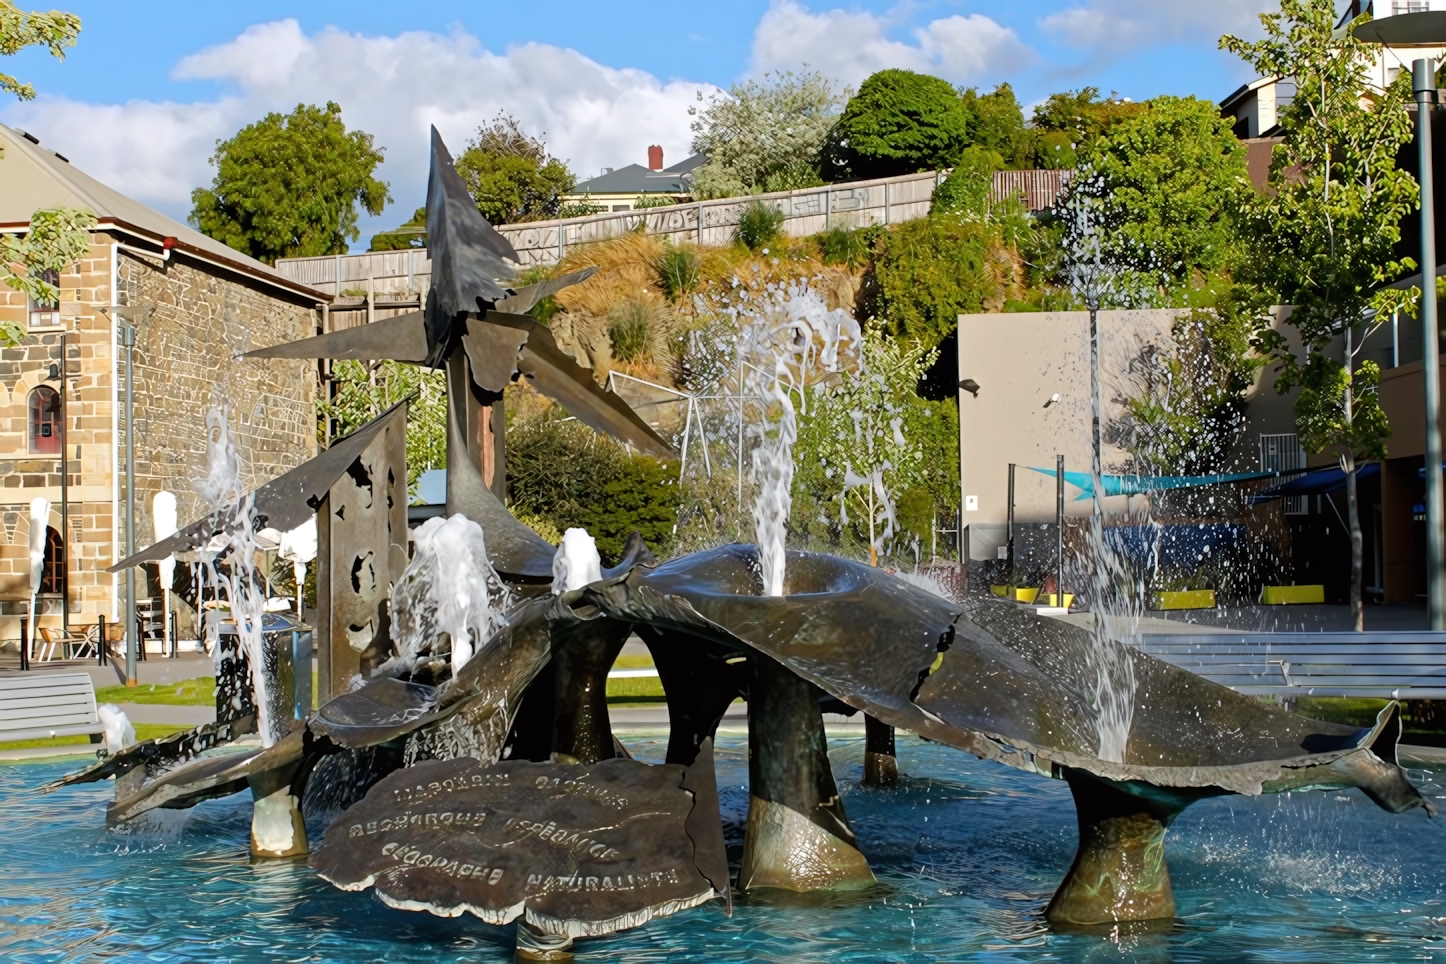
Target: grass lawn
{"points": [[640, 661], [144, 731], [200, 691], [644, 689]]}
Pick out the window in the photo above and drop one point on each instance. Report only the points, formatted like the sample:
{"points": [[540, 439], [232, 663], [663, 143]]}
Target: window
{"points": [[52, 569], [1282, 453], [45, 313], [45, 421]]}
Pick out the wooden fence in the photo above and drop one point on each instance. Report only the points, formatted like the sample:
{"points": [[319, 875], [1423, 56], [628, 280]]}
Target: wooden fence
{"points": [[389, 276]]}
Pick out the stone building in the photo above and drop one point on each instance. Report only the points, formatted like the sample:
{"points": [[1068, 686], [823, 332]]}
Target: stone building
{"points": [[195, 304]]}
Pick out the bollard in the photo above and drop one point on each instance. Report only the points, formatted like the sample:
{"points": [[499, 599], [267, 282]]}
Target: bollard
{"points": [[140, 630], [100, 653], [24, 644], [175, 637]]}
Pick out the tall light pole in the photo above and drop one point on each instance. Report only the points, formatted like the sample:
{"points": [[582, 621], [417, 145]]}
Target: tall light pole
{"points": [[1423, 82], [1426, 29]]}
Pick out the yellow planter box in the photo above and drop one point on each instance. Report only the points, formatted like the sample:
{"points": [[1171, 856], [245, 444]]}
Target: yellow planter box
{"points": [[1291, 595], [1020, 595], [1049, 599], [1189, 599]]}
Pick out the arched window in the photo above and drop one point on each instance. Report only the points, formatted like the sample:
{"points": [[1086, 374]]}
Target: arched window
{"points": [[52, 570], [45, 421]]}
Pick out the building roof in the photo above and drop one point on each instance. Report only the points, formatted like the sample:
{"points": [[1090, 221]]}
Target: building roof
{"points": [[1244, 90], [636, 179], [35, 178]]}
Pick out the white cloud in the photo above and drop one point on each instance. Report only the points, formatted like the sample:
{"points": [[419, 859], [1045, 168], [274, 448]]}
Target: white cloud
{"points": [[392, 87], [849, 46], [1110, 27]]}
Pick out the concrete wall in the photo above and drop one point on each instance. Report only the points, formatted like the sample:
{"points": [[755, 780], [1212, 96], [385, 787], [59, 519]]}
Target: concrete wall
{"points": [[1019, 361], [183, 364]]}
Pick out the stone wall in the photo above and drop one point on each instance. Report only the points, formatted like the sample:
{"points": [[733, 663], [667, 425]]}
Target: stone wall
{"points": [[201, 317]]}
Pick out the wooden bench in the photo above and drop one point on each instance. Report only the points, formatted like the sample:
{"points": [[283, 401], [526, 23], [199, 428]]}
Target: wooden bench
{"points": [[1396, 665], [38, 706]]}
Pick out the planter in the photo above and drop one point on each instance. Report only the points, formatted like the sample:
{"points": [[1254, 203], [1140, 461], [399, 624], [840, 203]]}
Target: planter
{"points": [[1189, 599], [1049, 599], [1020, 595], [1291, 595]]}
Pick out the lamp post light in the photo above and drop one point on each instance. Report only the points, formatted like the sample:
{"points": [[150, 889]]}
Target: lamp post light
{"points": [[1424, 30]]}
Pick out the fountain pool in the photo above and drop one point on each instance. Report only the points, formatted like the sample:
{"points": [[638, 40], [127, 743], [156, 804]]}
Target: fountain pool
{"points": [[967, 854]]}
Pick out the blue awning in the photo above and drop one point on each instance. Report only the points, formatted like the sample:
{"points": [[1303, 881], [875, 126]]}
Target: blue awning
{"points": [[1140, 484], [1314, 482]]}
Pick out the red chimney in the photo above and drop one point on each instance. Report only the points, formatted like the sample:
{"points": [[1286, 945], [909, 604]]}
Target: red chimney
{"points": [[655, 158]]}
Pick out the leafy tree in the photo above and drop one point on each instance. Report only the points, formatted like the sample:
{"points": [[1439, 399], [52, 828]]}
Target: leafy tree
{"points": [[58, 237], [997, 123], [289, 186], [365, 391], [20, 29], [763, 135], [1322, 237], [1067, 122], [412, 234], [899, 122], [867, 446], [510, 174], [1172, 176]]}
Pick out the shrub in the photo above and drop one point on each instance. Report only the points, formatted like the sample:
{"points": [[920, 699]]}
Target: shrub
{"points": [[629, 328], [964, 195], [759, 224], [928, 271], [846, 246], [564, 474], [678, 271]]}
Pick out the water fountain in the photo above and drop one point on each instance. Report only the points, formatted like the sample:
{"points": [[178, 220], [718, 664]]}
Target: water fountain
{"points": [[472, 763]]}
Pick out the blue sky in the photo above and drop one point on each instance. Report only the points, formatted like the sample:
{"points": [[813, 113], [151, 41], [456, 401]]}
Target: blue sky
{"points": [[142, 99]]}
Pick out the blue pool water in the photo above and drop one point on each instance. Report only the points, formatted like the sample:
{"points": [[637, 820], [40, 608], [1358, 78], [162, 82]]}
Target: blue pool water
{"points": [[967, 854]]}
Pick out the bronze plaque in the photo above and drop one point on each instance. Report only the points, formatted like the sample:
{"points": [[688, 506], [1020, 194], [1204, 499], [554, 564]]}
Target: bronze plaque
{"points": [[581, 850]]}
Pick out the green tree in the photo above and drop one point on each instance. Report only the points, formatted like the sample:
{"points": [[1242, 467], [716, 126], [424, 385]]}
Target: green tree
{"points": [[1322, 237], [412, 234], [510, 174], [362, 392], [997, 123], [289, 186], [1068, 121], [20, 29], [865, 445], [763, 135], [58, 237], [899, 122], [1172, 176]]}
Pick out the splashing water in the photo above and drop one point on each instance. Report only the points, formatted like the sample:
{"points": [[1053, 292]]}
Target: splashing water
{"points": [[228, 561], [788, 331], [448, 587], [576, 563]]}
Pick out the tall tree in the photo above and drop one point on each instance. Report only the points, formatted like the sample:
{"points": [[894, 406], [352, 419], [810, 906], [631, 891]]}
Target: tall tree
{"points": [[289, 186], [899, 122], [1173, 176], [511, 175], [763, 135], [20, 29], [997, 123], [1322, 236], [412, 234]]}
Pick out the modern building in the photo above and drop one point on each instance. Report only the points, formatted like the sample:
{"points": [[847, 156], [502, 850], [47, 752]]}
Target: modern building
{"points": [[195, 303], [620, 189]]}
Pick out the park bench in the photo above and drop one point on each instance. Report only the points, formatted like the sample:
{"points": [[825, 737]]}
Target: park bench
{"points": [[38, 706], [1394, 665]]}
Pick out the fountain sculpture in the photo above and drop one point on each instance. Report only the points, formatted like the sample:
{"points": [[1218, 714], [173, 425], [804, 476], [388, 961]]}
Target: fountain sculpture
{"points": [[493, 784]]}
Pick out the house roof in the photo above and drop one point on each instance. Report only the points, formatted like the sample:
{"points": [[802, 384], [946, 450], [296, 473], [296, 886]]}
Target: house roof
{"points": [[636, 179], [1244, 90], [35, 177]]}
